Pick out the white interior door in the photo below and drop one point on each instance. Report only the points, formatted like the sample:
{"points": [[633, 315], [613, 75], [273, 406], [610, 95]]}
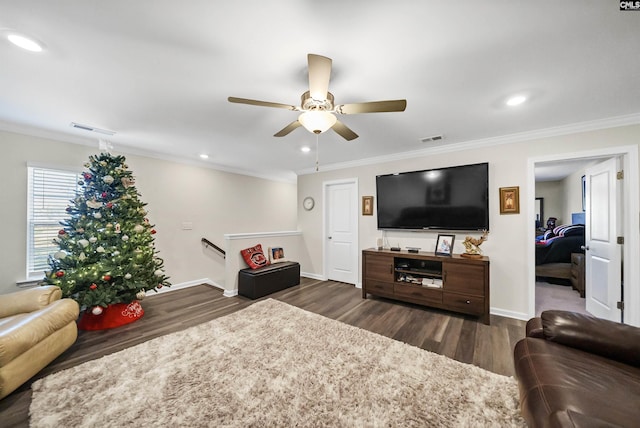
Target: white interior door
{"points": [[341, 232], [603, 253]]}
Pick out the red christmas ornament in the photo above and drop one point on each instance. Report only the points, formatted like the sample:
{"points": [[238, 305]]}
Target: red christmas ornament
{"points": [[153, 231], [104, 194], [107, 277], [109, 205], [60, 274], [87, 176], [93, 286], [61, 232], [159, 286]]}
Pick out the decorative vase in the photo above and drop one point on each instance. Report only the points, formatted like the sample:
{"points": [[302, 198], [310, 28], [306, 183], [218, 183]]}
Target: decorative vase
{"points": [[114, 315]]}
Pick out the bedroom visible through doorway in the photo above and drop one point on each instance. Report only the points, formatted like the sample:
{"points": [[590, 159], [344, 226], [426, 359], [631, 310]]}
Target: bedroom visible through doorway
{"points": [[560, 255]]}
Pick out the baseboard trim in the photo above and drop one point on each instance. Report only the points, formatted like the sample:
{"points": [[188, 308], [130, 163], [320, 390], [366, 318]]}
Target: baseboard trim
{"points": [[187, 284], [509, 314], [230, 293], [313, 276]]}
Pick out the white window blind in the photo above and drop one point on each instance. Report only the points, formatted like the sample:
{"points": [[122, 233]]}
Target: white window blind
{"points": [[50, 193]]}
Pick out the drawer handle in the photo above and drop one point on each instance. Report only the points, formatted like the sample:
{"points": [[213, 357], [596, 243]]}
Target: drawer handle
{"points": [[468, 302]]}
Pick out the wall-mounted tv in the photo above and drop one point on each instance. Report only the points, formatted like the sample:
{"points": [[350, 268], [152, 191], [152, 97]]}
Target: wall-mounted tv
{"points": [[452, 198]]}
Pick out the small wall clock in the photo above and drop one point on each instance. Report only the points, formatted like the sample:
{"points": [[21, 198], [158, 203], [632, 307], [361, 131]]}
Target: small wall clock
{"points": [[308, 203]]}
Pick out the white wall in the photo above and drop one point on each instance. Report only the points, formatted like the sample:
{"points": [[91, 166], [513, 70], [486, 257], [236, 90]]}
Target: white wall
{"points": [[215, 202], [553, 194], [509, 234]]}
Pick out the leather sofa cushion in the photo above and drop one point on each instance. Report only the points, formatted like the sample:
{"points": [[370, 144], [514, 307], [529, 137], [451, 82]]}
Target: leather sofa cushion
{"points": [[553, 378], [609, 339]]}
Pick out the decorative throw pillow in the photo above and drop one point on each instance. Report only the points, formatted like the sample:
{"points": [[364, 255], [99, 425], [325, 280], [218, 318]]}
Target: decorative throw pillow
{"points": [[548, 234], [254, 257]]}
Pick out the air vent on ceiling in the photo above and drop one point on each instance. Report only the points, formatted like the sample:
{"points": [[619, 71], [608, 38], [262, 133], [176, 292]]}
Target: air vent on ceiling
{"points": [[432, 138], [91, 129]]}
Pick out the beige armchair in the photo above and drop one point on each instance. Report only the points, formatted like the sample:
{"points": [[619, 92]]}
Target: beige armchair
{"points": [[35, 327]]}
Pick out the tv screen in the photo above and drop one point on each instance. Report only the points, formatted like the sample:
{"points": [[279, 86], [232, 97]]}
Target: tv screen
{"points": [[453, 198]]}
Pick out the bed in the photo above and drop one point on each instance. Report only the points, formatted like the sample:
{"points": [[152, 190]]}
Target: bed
{"points": [[554, 249]]}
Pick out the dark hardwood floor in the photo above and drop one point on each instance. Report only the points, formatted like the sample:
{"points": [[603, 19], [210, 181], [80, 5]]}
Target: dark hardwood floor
{"points": [[456, 336]]}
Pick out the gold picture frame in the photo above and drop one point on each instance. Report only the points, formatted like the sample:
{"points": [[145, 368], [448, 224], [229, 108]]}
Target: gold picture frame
{"points": [[367, 205], [510, 200]]}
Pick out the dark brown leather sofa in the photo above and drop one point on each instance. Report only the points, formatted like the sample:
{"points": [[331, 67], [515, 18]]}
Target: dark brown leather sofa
{"points": [[574, 370]]}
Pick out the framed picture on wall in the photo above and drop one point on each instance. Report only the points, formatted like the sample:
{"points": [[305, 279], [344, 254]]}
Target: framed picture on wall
{"points": [[367, 205], [510, 200]]}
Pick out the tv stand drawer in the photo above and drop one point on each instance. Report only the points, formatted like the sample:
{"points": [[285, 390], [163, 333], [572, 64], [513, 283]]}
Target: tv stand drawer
{"points": [[425, 295], [464, 303]]}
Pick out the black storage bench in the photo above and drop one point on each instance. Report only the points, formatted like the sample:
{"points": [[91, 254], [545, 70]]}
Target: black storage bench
{"points": [[256, 283]]}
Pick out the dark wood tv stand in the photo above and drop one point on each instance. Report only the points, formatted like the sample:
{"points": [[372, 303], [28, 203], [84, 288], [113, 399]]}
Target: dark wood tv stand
{"points": [[453, 283]]}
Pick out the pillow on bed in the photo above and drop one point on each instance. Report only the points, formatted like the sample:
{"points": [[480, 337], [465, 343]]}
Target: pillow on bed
{"points": [[574, 230], [569, 230]]}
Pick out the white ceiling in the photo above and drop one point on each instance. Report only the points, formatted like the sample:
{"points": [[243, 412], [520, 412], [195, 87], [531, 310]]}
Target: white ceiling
{"points": [[159, 72]]}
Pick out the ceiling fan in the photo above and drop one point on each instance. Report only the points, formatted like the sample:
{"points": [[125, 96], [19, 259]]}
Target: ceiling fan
{"points": [[317, 105]]}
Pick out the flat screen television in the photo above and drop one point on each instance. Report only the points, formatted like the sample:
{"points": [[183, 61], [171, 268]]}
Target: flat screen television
{"points": [[452, 198]]}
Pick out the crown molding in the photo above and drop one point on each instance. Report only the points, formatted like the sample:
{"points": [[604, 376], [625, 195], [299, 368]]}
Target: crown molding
{"points": [[62, 137], [574, 128]]}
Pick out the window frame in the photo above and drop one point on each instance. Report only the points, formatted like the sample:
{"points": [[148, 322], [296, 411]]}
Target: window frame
{"points": [[34, 251]]}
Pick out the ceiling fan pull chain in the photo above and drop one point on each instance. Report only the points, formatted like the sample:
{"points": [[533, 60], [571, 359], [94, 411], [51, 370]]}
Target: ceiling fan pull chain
{"points": [[317, 152]]}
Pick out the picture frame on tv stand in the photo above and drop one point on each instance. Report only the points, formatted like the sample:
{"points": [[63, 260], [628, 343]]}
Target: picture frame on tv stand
{"points": [[444, 244]]}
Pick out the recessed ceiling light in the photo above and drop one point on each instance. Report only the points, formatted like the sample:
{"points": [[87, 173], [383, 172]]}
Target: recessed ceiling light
{"points": [[305, 149], [516, 100], [24, 42], [204, 156]]}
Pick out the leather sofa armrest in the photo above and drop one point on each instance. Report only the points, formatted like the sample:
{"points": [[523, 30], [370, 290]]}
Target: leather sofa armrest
{"points": [[619, 342], [29, 300], [22, 332], [534, 328]]}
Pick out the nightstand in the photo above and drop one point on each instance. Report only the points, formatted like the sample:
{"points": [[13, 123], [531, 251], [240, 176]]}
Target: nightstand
{"points": [[577, 272]]}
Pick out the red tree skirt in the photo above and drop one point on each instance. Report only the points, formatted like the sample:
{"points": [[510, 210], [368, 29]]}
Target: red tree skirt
{"points": [[113, 316]]}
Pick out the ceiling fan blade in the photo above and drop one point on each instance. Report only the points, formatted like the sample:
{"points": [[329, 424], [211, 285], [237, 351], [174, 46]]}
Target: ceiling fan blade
{"points": [[372, 107], [344, 131], [261, 103], [319, 75], [287, 129]]}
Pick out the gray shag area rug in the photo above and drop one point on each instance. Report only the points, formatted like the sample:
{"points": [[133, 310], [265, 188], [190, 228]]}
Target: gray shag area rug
{"points": [[273, 364]]}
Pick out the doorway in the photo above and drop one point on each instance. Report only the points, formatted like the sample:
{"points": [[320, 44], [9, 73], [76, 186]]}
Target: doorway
{"points": [[340, 227], [630, 251]]}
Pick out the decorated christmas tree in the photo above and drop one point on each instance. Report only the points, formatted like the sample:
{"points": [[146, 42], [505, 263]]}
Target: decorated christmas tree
{"points": [[107, 254]]}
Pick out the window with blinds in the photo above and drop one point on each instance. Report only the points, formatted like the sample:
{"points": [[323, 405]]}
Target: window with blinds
{"points": [[50, 193]]}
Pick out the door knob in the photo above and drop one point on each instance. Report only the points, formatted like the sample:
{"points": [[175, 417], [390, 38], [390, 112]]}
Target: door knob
{"points": [[330, 237], [584, 247]]}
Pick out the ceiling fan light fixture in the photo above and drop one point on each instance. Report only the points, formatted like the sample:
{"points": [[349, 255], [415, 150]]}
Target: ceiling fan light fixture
{"points": [[317, 121], [516, 100], [25, 42]]}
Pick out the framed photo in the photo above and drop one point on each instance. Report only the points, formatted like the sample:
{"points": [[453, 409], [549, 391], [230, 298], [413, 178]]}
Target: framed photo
{"points": [[276, 255], [367, 205], [510, 200], [444, 245]]}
